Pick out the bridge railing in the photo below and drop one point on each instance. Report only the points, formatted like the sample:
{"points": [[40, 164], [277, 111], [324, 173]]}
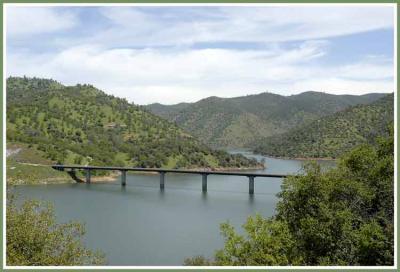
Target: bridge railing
{"points": [[162, 172]]}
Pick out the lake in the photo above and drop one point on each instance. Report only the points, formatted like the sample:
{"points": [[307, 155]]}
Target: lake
{"points": [[141, 225]]}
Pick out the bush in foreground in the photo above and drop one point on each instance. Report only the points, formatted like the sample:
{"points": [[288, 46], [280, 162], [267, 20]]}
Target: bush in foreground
{"points": [[35, 239], [340, 217]]}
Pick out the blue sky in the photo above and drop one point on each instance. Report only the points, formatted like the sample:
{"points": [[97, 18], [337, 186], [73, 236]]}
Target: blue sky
{"points": [[174, 54]]}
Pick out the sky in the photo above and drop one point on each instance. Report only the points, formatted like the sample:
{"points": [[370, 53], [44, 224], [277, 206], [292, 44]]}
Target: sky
{"points": [[172, 54]]}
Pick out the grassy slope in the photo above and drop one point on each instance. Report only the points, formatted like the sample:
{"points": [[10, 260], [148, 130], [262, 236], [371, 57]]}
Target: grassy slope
{"points": [[81, 125], [335, 134], [241, 121], [29, 166]]}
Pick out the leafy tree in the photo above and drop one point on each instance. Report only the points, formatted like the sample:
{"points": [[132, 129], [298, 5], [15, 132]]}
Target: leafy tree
{"points": [[343, 216], [34, 238], [197, 261], [268, 242]]}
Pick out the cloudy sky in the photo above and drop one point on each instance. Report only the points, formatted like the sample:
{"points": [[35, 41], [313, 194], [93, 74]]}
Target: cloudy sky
{"points": [[174, 54]]}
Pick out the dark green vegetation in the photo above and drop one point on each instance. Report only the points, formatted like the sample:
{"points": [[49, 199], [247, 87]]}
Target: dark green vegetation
{"points": [[335, 134], [241, 121], [167, 111], [34, 238], [83, 125], [344, 216]]}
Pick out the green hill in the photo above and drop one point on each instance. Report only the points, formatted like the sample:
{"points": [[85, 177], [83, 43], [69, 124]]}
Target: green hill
{"points": [[241, 121], [83, 125], [167, 111], [332, 135]]}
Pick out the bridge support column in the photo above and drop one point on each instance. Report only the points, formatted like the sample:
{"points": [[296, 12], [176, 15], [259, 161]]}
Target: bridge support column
{"points": [[87, 175], [162, 180], [251, 185], [123, 177], [204, 183]]}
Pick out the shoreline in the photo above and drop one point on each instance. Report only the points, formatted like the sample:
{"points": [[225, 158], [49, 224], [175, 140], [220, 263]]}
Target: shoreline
{"points": [[250, 152], [114, 175], [106, 178], [299, 158], [221, 169], [199, 169], [60, 180]]}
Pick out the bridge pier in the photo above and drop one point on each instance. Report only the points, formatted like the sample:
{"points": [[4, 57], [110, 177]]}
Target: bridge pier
{"points": [[123, 177], [87, 175], [251, 185], [162, 180], [204, 182], [87, 169]]}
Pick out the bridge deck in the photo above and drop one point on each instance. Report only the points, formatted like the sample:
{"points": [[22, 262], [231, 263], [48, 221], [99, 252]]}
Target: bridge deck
{"points": [[162, 173], [161, 170]]}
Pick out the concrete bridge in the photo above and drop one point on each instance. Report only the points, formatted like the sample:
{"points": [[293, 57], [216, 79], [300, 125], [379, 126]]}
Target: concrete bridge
{"points": [[162, 172]]}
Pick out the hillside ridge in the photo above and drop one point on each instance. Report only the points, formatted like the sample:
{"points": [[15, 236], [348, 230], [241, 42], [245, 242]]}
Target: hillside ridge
{"points": [[335, 134], [239, 122], [83, 125]]}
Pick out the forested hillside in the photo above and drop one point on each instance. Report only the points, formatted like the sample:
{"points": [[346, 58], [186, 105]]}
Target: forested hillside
{"points": [[82, 125], [241, 121], [335, 134], [167, 111]]}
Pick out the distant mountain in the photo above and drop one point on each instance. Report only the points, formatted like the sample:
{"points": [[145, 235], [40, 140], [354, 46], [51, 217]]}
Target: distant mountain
{"points": [[332, 135], [241, 121], [82, 125], [167, 111]]}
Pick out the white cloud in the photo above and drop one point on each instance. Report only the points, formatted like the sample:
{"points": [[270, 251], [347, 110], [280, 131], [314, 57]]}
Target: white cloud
{"points": [[167, 76], [240, 24], [165, 68], [26, 21], [377, 67], [337, 85]]}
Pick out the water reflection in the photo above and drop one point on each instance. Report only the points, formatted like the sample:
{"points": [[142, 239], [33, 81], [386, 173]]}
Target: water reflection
{"points": [[251, 200]]}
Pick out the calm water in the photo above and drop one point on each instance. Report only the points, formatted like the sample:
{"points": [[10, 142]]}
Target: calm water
{"points": [[140, 225]]}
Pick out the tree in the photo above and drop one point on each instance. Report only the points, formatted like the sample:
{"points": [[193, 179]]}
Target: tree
{"points": [[267, 242], [197, 261], [343, 216], [35, 238]]}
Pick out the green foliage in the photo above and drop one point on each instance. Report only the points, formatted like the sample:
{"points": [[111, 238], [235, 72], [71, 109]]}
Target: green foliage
{"points": [[197, 261], [268, 242], [343, 216], [166, 111], [35, 239], [81, 124], [332, 135], [242, 121]]}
